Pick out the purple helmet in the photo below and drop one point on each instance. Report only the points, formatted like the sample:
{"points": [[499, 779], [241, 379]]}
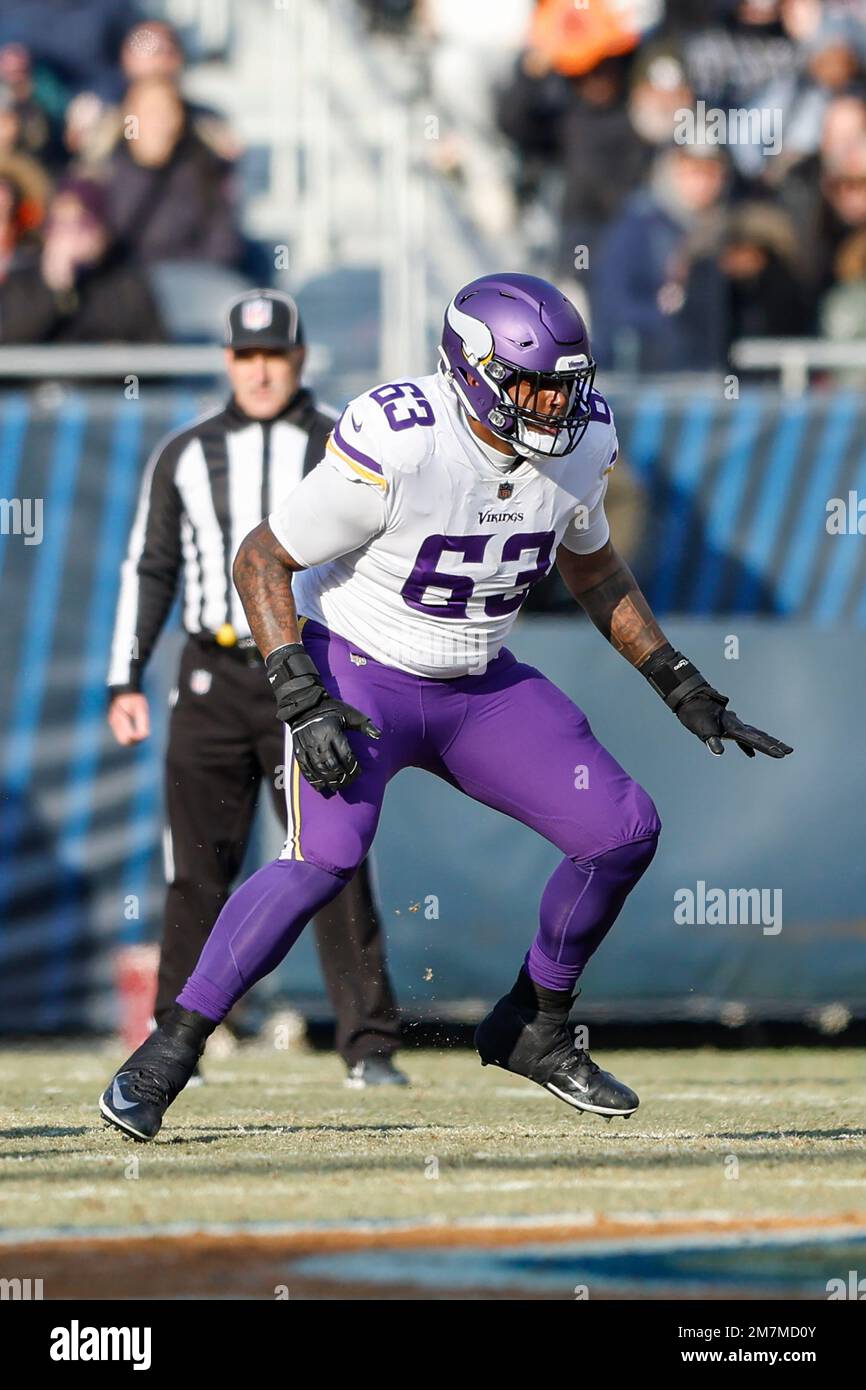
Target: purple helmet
{"points": [[508, 338]]}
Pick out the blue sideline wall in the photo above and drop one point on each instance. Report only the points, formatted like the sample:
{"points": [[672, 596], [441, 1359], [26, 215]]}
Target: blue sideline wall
{"points": [[734, 543]]}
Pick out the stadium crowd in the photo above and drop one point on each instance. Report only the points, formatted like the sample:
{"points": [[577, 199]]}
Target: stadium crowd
{"points": [[110, 178], [693, 171], [747, 218]]}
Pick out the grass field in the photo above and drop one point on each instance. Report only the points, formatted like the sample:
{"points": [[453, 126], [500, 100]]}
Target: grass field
{"points": [[723, 1141]]}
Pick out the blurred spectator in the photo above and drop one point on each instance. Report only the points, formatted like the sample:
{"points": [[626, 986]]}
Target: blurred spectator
{"points": [[574, 39], [38, 111], [90, 130], [529, 112], [844, 123], [9, 235], [154, 49], [732, 60], [659, 90], [27, 172], [562, 42], [602, 158], [843, 308], [151, 49], [637, 289], [76, 41], [840, 210], [168, 193], [20, 215], [833, 64], [749, 286], [79, 290]]}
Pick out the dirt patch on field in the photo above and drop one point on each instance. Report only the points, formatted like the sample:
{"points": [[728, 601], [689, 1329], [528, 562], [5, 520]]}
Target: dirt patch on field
{"points": [[252, 1264]]}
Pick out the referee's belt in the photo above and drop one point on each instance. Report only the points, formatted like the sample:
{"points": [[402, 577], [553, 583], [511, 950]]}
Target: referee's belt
{"points": [[227, 640]]}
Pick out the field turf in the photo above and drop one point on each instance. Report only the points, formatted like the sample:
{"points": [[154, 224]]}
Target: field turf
{"points": [[727, 1139]]}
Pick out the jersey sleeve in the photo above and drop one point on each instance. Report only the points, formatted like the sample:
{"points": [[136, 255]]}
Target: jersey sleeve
{"points": [[588, 529], [343, 502], [357, 446]]}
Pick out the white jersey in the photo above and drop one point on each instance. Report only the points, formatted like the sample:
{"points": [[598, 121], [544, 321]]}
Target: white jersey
{"points": [[418, 547]]}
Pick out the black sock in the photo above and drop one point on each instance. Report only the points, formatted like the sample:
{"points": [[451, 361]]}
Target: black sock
{"points": [[188, 1026], [525, 993]]}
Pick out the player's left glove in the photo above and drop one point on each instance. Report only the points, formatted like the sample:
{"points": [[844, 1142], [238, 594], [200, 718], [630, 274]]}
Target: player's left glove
{"points": [[317, 720], [702, 709]]}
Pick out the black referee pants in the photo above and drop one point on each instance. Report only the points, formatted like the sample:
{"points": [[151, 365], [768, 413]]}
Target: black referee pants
{"points": [[224, 742]]}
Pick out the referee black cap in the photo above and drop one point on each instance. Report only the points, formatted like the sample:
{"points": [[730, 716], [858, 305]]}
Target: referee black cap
{"points": [[264, 319]]}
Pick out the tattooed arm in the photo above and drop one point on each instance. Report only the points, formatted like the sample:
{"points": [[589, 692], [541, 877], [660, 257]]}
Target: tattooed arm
{"points": [[606, 589], [262, 572]]}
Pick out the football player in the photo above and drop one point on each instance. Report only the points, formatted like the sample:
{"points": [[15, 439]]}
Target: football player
{"points": [[407, 552]]}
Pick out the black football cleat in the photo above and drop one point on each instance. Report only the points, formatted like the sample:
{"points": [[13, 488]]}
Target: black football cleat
{"points": [[522, 1037], [145, 1086]]}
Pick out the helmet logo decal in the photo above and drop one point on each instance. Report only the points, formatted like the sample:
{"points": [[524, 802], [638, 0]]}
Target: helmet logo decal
{"points": [[476, 336]]}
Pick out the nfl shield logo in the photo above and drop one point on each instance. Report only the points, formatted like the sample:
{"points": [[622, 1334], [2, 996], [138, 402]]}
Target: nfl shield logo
{"points": [[200, 682], [505, 491], [256, 314]]}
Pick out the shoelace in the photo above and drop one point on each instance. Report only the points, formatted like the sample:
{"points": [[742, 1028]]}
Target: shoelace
{"points": [[571, 1058], [585, 1060], [150, 1087]]}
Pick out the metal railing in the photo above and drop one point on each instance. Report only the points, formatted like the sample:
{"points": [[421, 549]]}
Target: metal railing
{"points": [[112, 361], [795, 359]]}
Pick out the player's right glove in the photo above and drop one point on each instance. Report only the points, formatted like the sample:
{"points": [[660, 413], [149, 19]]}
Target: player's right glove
{"points": [[316, 719], [701, 709]]}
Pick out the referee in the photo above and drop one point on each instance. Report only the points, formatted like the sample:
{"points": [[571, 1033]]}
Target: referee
{"points": [[204, 489]]}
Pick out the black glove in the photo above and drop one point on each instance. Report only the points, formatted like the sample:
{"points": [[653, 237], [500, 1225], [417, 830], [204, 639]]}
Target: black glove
{"points": [[316, 719], [702, 709]]}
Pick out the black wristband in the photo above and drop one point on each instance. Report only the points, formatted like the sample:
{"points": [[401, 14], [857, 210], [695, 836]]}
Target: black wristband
{"points": [[290, 653], [672, 675], [294, 679]]}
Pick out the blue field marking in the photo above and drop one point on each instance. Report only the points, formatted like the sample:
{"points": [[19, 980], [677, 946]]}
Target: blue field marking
{"points": [[121, 486], [687, 469], [723, 507], [16, 417], [809, 530], [745, 1265], [148, 760], [845, 553], [770, 504]]}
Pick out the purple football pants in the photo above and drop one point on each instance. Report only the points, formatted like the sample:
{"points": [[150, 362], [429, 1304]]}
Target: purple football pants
{"points": [[509, 738]]}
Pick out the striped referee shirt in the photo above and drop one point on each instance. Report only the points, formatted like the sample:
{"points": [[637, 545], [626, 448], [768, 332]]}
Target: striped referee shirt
{"points": [[204, 489]]}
